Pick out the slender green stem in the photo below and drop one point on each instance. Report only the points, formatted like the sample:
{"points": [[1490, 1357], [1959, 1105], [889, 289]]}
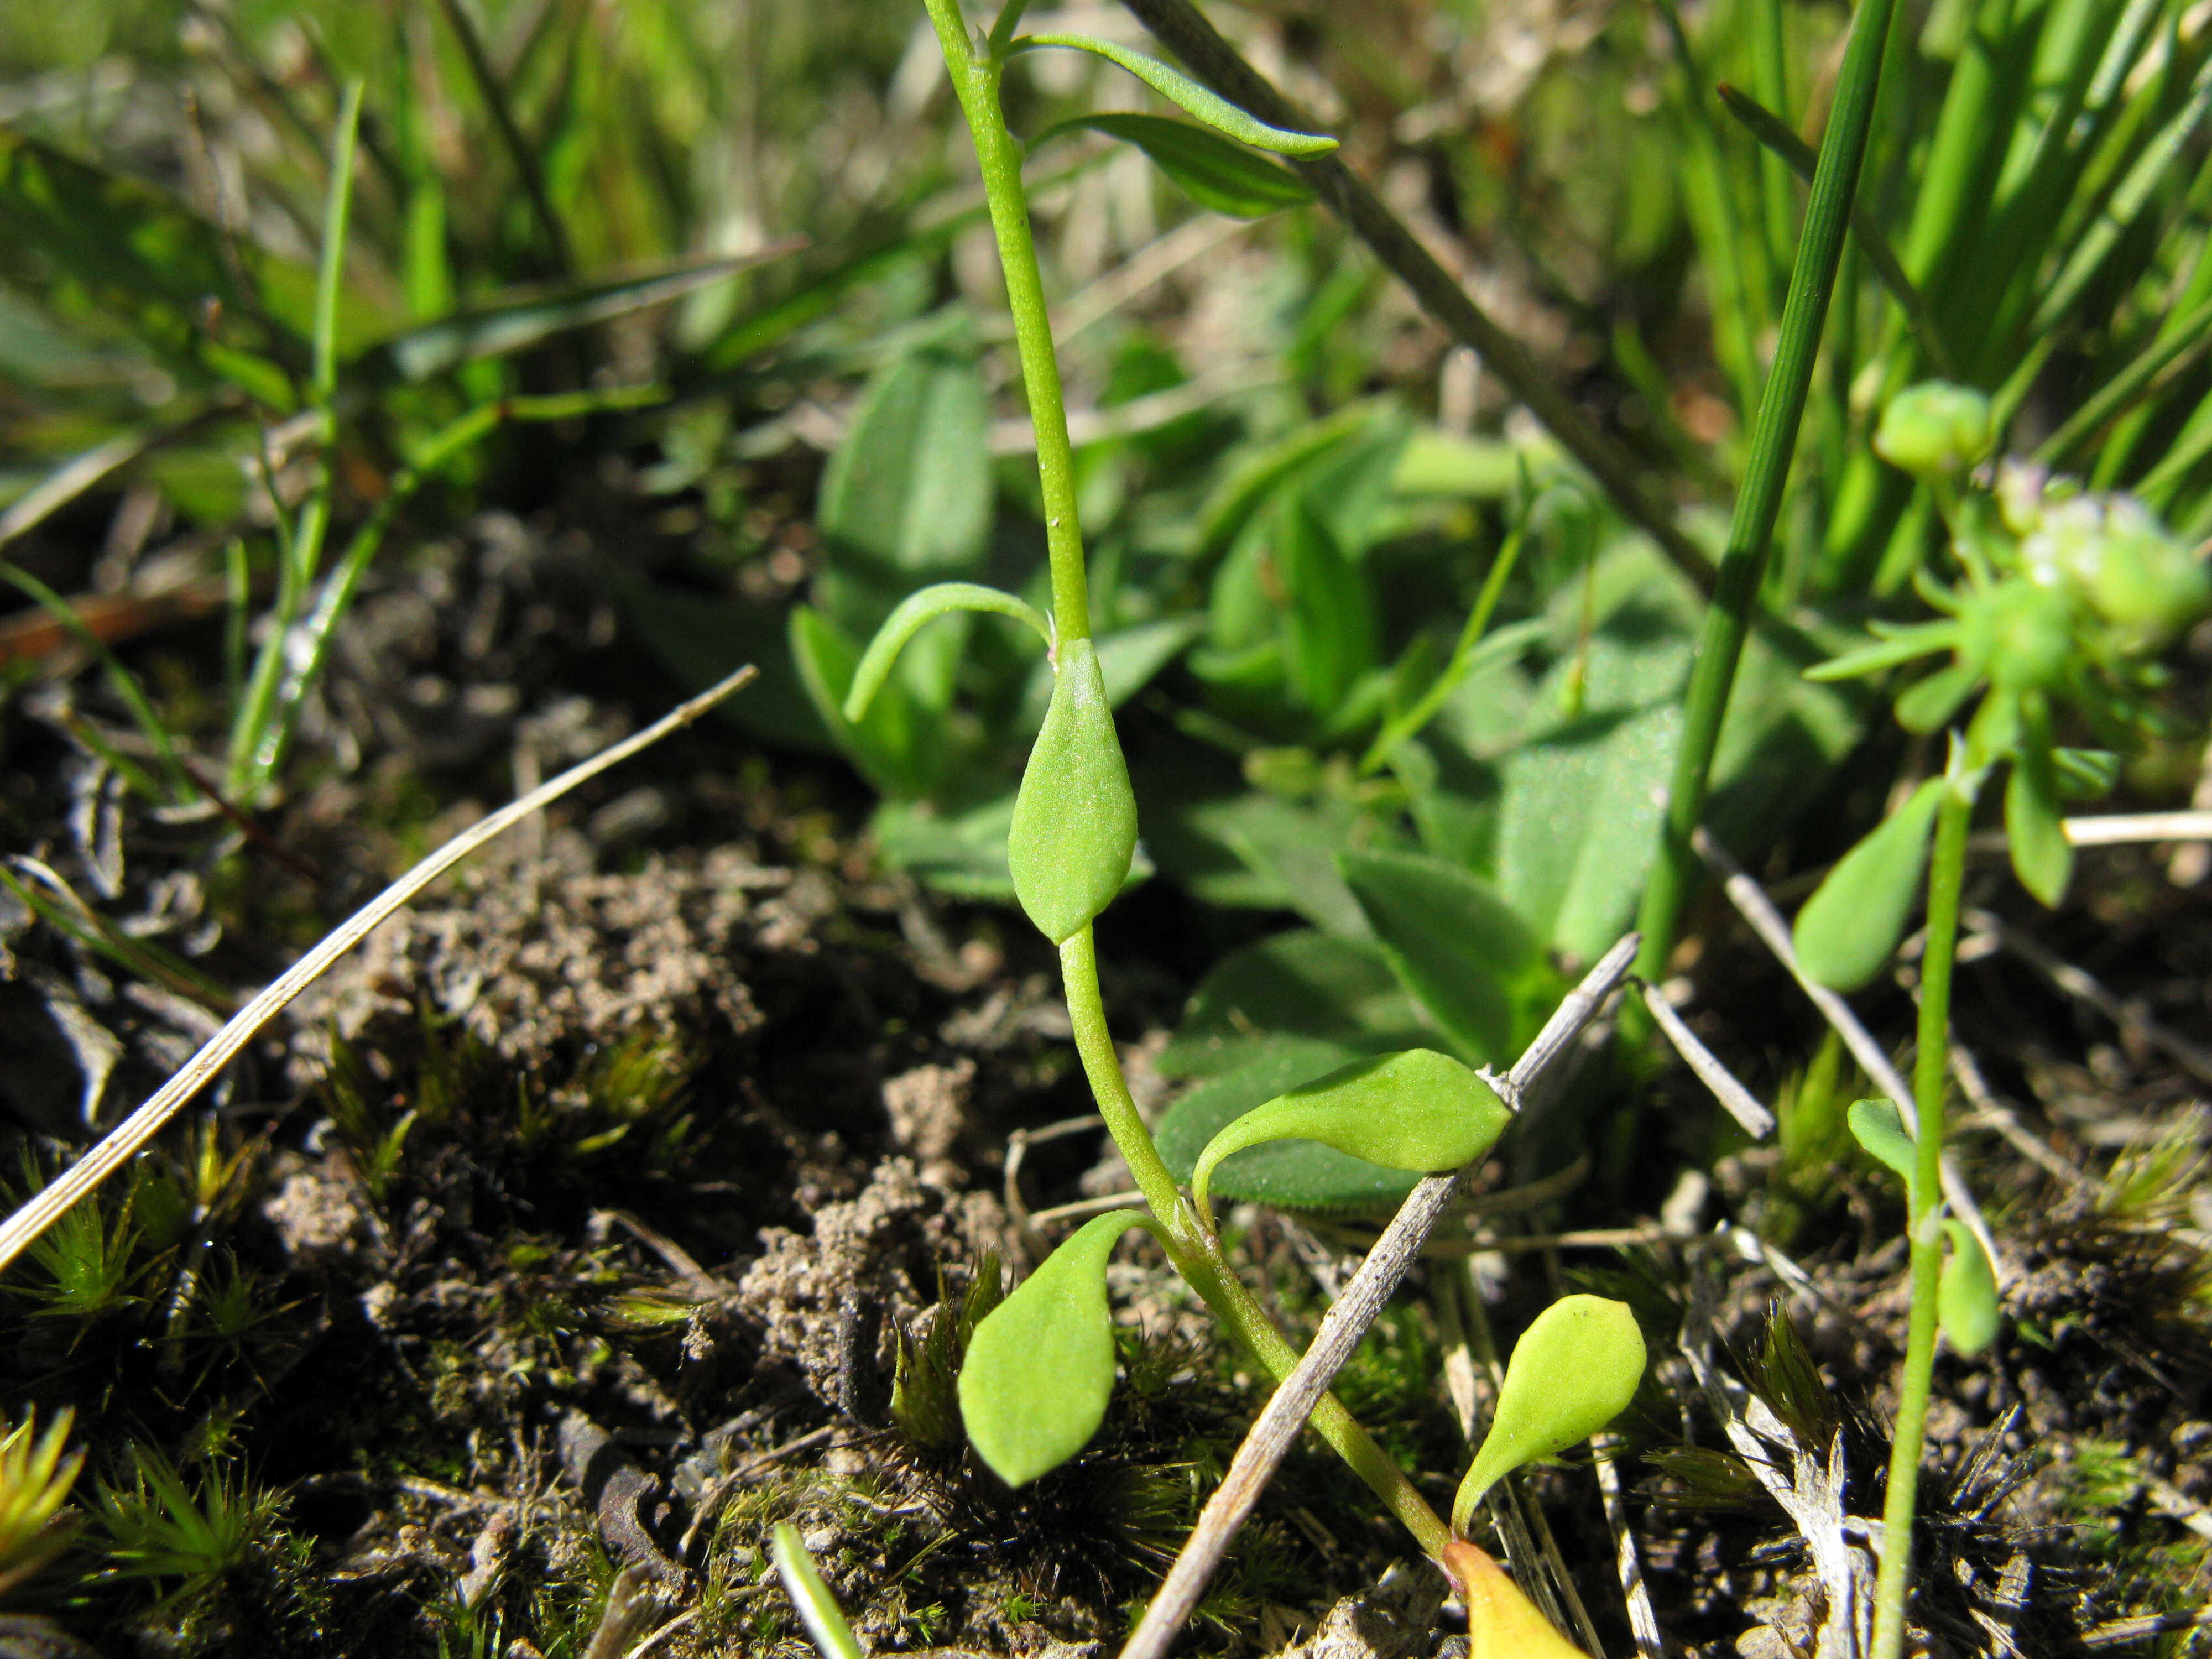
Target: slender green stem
{"points": [[1198, 1257], [1924, 1202], [1774, 440], [976, 77]]}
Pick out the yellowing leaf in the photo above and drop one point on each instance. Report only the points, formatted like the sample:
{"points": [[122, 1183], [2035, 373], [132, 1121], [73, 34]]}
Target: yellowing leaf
{"points": [[1501, 1622]]}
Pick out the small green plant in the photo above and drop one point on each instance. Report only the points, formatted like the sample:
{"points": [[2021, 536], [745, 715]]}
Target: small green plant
{"points": [[36, 1473], [157, 1529], [2060, 603], [1039, 1368]]}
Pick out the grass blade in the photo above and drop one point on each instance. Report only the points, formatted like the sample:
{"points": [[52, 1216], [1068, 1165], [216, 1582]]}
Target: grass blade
{"points": [[2184, 339], [1774, 439], [1763, 124], [518, 147]]}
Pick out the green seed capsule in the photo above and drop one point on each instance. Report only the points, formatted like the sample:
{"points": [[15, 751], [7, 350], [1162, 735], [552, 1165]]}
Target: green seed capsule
{"points": [[1933, 429], [1075, 819]]}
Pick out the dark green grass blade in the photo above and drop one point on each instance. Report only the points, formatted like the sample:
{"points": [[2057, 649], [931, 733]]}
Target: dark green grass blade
{"points": [[1763, 124], [1774, 438]]}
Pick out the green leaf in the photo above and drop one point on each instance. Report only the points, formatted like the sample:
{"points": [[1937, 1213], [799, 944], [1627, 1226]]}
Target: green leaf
{"points": [[102, 248], [1190, 97], [1419, 1111], [1580, 803], [1848, 928], [1075, 819], [1213, 172], [892, 744], [1574, 1370], [1040, 1367], [2042, 857], [1454, 943], [1300, 1175], [909, 489], [1900, 646], [1879, 1127], [1303, 985], [1129, 658], [1967, 1294], [2085, 773], [1294, 848], [914, 612], [1927, 704], [1331, 622], [817, 1604], [961, 853], [519, 319]]}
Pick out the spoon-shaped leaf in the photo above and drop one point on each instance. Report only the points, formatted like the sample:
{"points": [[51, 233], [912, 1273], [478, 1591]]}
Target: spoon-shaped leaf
{"points": [[1075, 819], [1191, 98], [1847, 928], [922, 607], [1040, 1367], [1967, 1295], [1572, 1372], [2042, 857], [1879, 1127], [1501, 1622], [1419, 1111]]}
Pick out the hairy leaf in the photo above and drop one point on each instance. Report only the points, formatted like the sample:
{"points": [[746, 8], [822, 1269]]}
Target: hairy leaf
{"points": [[1454, 943], [1075, 819]]}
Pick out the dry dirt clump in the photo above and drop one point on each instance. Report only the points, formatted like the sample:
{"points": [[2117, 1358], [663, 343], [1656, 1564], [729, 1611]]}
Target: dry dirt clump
{"points": [[527, 956]]}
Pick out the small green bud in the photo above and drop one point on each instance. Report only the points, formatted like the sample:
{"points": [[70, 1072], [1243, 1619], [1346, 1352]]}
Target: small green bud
{"points": [[1934, 429], [1075, 819]]}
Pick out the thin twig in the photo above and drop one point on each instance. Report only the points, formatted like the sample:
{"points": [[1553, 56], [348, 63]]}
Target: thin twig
{"points": [[1278, 1424], [1994, 1114], [2077, 982], [1196, 41], [1741, 1104], [1755, 906], [1642, 1618], [123, 1143]]}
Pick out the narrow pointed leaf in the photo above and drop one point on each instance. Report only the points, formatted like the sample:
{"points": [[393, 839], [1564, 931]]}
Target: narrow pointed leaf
{"points": [[1927, 703], [1190, 97], [815, 1602], [1967, 1294], [1040, 1368], [2042, 857], [1075, 819], [1848, 929], [917, 609], [1879, 1127], [1419, 1111], [1212, 172], [1332, 624], [1501, 1622], [1572, 1372]]}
